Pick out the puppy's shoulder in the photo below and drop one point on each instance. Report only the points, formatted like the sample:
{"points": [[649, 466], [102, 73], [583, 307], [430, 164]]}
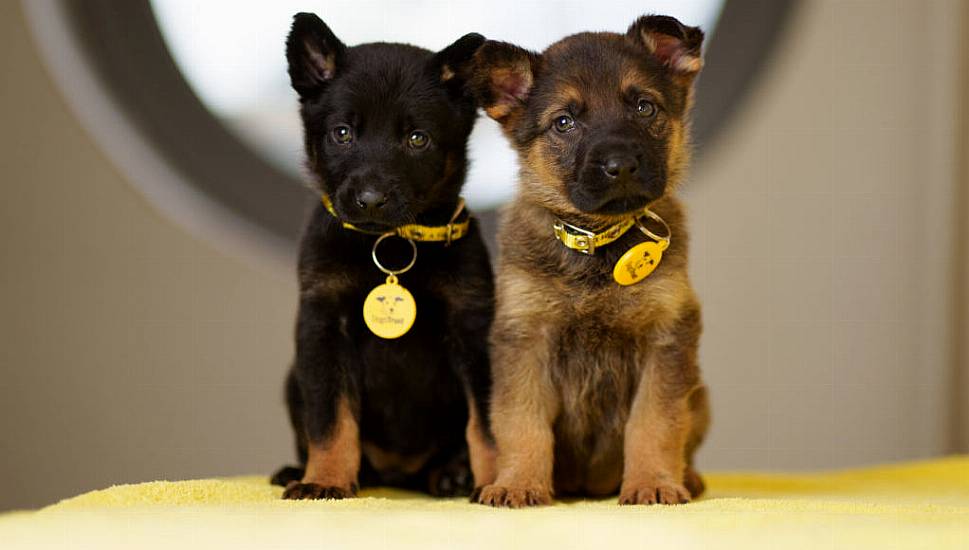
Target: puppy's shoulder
{"points": [[323, 269], [464, 277]]}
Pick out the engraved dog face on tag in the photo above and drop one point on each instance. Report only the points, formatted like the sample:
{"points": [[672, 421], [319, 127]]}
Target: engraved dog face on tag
{"points": [[389, 303], [637, 263], [389, 311]]}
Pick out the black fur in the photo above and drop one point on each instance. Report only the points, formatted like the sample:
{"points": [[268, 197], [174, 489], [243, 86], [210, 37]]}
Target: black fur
{"points": [[409, 395]]}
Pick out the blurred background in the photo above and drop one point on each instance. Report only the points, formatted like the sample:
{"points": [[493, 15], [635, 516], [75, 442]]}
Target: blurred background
{"points": [[152, 196]]}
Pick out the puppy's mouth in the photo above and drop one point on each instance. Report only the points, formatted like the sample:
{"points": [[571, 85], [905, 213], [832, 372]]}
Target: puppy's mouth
{"points": [[378, 224], [612, 206], [593, 193], [372, 227], [394, 213], [623, 205]]}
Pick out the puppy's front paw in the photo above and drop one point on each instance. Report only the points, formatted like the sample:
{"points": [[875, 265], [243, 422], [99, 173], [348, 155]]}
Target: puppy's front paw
{"points": [[511, 497], [312, 491], [659, 492]]}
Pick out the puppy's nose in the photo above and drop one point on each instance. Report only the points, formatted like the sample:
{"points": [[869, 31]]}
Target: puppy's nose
{"points": [[620, 166], [371, 199]]}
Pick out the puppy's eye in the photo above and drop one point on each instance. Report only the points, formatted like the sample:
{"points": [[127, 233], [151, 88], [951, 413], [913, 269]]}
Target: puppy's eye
{"points": [[646, 107], [564, 124], [418, 140], [343, 134]]}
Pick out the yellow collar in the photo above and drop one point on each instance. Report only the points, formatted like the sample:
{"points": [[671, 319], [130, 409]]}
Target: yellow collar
{"points": [[586, 242], [415, 232]]}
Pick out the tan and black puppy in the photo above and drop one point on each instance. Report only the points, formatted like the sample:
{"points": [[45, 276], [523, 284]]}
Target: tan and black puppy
{"points": [[596, 383]]}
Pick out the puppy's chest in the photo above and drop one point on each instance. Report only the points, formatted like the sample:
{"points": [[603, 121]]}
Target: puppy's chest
{"points": [[601, 346], [613, 309], [599, 350], [595, 370]]}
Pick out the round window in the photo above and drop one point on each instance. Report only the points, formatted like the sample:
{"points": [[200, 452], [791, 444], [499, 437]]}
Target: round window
{"points": [[236, 66], [192, 100]]}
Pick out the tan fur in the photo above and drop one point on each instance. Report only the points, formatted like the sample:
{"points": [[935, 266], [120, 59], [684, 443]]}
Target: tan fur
{"points": [[447, 73], [502, 110], [597, 388], [565, 96], [631, 78], [686, 64], [387, 461], [679, 156], [481, 451], [522, 426], [573, 365], [335, 461]]}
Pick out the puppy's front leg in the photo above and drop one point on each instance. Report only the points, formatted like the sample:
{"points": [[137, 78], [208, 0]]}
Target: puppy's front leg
{"points": [[470, 358], [470, 312], [660, 421], [523, 408], [328, 389]]}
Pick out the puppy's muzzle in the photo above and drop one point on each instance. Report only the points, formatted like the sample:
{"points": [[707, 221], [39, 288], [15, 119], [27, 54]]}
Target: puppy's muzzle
{"points": [[620, 166], [370, 199]]}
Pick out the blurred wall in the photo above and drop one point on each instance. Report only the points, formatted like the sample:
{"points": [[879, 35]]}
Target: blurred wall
{"points": [[825, 236], [960, 394], [824, 225], [130, 350]]}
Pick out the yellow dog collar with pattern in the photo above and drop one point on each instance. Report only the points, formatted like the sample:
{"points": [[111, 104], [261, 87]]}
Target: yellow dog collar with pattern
{"points": [[416, 232], [638, 262], [586, 242]]}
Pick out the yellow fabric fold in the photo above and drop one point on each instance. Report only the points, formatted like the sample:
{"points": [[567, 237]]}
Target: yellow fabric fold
{"points": [[914, 505]]}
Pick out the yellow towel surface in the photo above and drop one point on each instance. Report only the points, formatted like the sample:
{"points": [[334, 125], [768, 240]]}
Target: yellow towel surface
{"points": [[915, 505]]}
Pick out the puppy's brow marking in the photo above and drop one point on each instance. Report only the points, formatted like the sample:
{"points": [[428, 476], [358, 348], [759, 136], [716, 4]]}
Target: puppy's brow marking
{"points": [[565, 98], [633, 79]]}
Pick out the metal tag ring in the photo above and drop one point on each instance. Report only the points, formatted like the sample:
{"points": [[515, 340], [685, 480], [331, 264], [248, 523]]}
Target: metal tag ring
{"points": [[393, 271], [646, 231]]}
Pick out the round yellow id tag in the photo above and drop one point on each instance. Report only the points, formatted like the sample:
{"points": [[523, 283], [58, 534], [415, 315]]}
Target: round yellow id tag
{"points": [[638, 262], [389, 310]]}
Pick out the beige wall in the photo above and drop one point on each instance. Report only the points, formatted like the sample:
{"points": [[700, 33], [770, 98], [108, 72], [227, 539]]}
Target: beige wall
{"points": [[823, 231], [130, 350], [824, 250], [960, 394]]}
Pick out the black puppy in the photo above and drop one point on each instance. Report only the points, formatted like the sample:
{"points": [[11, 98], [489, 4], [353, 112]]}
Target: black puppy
{"points": [[386, 130]]}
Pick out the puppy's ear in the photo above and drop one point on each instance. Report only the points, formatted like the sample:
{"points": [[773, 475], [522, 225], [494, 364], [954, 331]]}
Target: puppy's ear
{"points": [[453, 63], [314, 53], [673, 44], [503, 78]]}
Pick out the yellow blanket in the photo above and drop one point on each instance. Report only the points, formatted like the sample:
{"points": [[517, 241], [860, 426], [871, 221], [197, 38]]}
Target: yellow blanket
{"points": [[918, 505]]}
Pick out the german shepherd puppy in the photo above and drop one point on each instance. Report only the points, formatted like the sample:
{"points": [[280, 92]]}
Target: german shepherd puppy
{"points": [[596, 385], [386, 130]]}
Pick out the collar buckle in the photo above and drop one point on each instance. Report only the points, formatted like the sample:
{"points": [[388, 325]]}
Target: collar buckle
{"points": [[576, 238], [454, 217]]}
